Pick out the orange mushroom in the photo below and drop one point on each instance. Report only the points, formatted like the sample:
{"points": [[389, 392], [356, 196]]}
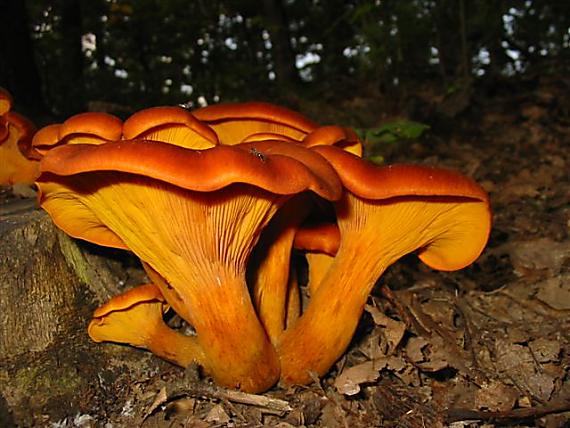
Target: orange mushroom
{"points": [[320, 243], [15, 137], [241, 122], [275, 290], [330, 135], [174, 125], [135, 317], [386, 212], [193, 217]]}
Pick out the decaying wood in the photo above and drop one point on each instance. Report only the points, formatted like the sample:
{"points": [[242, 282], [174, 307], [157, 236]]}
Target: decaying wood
{"points": [[49, 286]]}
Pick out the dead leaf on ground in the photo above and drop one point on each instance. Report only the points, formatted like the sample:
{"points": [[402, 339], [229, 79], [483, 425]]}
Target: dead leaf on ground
{"points": [[545, 351], [429, 355], [517, 363], [495, 396], [160, 398], [555, 292], [393, 330], [349, 381], [218, 415], [538, 254]]}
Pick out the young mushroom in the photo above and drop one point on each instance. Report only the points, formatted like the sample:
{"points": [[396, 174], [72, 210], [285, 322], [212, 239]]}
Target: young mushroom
{"points": [[135, 317], [193, 216], [386, 212]]}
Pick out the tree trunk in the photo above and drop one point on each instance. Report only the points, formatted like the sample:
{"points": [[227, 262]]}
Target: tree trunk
{"points": [[72, 60], [49, 368], [283, 55]]}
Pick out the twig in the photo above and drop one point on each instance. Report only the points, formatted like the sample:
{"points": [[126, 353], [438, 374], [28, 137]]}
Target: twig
{"points": [[555, 406], [273, 404]]}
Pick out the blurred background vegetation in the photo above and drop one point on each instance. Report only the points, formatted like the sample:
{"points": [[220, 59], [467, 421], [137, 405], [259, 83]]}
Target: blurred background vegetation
{"points": [[61, 57]]}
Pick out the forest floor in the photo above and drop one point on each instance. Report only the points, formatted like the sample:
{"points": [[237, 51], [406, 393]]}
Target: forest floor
{"points": [[486, 346]]}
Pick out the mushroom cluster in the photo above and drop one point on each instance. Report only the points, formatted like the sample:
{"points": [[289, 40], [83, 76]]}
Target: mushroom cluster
{"points": [[214, 202], [15, 139]]}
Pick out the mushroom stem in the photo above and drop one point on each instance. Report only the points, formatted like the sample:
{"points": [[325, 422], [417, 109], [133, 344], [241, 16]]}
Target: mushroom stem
{"points": [[271, 266], [293, 299], [319, 264], [325, 329], [244, 359], [175, 347], [374, 234]]}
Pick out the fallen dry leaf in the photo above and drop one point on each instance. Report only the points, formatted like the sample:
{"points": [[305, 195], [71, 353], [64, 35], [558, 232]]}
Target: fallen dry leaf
{"points": [[538, 254], [555, 292], [218, 415], [160, 398], [349, 381], [393, 330], [495, 396], [545, 351], [517, 363], [429, 356]]}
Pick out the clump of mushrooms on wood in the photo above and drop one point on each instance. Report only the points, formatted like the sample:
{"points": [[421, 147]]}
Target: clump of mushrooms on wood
{"points": [[213, 202]]}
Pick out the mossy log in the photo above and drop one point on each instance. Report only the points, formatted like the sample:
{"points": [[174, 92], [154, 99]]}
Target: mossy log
{"points": [[49, 286]]}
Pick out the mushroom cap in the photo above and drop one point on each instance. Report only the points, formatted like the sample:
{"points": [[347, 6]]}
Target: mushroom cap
{"points": [[318, 238], [234, 122], [170, 124], [273, 166], [15, 140], [91, 128], [5, 101], [25, 127], [82, 128], [344, 138], [141, 294], [45, 139], [370, 181], [459, 241], [203, 171]]}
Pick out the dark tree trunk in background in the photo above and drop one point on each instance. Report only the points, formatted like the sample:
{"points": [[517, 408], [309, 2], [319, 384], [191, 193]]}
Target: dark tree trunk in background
{"points": [[449, 41], [283, 55], [72, 59], [18, 69], [495, 36]]}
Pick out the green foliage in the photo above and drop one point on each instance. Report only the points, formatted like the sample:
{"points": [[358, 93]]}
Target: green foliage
{"points": [[383, 139]]}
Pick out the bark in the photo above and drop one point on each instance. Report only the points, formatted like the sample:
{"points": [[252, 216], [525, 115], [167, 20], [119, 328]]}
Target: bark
{"points": [[49, 286]]}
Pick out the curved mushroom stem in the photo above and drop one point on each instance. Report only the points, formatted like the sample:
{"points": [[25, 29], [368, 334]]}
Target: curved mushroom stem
{"points": [[271, 265], [374, 235], [325, 329], [243, 359]]}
